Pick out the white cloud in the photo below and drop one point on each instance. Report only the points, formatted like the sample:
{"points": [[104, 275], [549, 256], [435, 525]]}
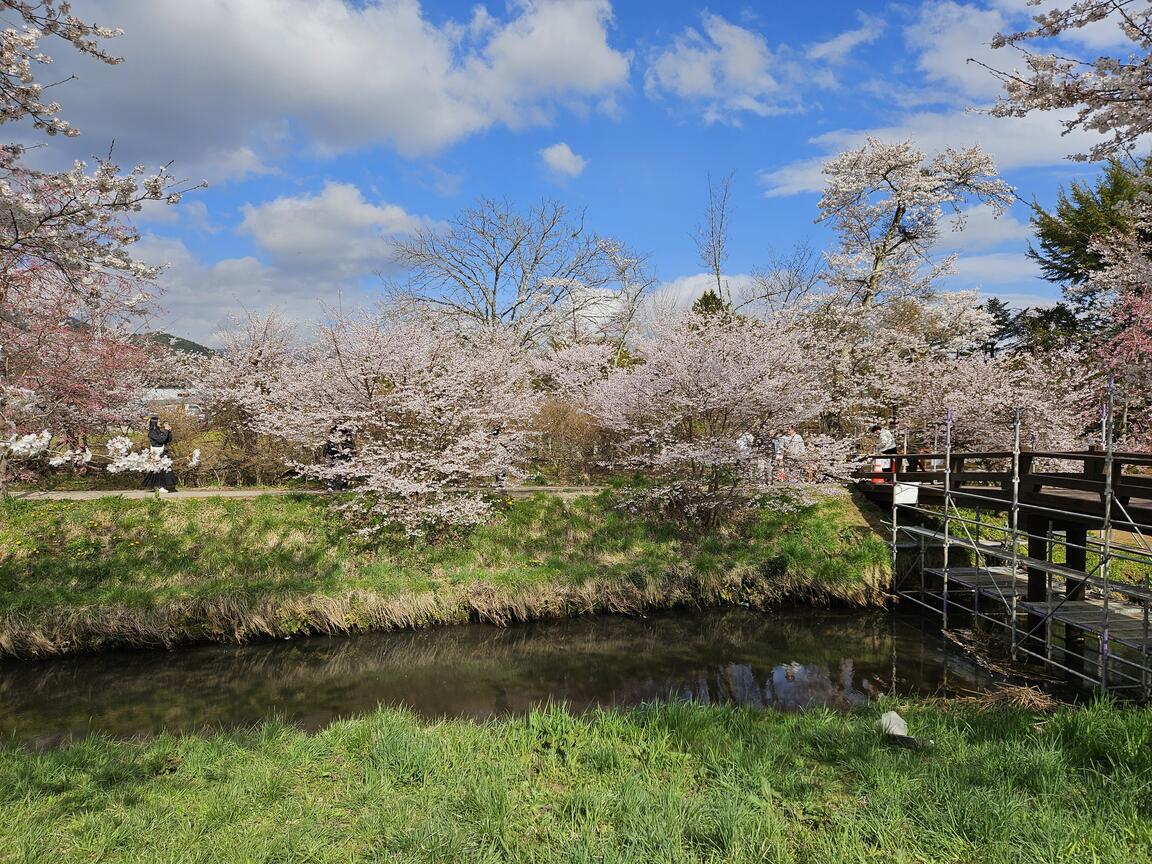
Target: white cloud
{"points": [[680, 293], [226, 87], [994, 268], [982, 230], [945, 35], [336, 231], [317, 249], [199, 299], [837, 49], [723, 69], [561, 160]]}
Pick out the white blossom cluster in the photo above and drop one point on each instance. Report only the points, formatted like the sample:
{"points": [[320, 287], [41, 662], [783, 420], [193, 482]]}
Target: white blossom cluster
{"points": [[140, 461], [119, 446], [71, 457], [26, 447]]}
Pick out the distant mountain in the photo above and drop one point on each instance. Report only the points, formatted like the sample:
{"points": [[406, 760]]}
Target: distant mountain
{"points": [[175, 343]]}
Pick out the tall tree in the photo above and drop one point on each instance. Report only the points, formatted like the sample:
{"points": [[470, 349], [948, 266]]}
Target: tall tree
{"points": [[703, 382], [404, 414], [885, 203], [68, 283], [712, 236], [540, 274], [1000, 317], [1065, 235]]}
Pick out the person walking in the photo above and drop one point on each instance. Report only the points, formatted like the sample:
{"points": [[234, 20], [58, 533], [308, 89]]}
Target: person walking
{"points": [[159, 437], [778, 456]]}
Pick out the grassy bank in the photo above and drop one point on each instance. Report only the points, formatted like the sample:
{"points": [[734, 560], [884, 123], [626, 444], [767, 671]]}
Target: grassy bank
{"points": [[673, 783], [83, 575]]}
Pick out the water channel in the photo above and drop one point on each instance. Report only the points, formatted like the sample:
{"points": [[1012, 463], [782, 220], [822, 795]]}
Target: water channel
{"points": [[788, 659]]}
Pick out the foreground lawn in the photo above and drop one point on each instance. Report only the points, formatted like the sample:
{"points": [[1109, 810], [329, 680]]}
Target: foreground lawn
{"points": [[660, 784], [80, 575]]}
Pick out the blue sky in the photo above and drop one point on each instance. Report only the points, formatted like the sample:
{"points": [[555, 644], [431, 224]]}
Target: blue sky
{"points": [[328, 128]]}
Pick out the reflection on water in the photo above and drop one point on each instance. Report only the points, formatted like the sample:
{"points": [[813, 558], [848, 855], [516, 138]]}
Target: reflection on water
{"points": [[787, 659]]}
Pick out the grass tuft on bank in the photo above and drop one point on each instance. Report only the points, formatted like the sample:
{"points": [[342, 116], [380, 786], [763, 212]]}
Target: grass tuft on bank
{"points": [[85, 575], [669, 783]]}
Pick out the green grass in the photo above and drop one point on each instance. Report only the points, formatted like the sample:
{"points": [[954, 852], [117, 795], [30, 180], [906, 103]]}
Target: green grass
{"points": [[671, 783], [77, 575]]}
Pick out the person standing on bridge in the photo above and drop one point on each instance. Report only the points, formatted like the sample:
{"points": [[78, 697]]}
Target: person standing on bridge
{"points": [[887, 438], [886, 446]]}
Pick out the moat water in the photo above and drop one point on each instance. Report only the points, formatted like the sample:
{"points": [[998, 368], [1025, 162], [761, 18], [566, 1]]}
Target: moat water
{"points": [[788, 659]]}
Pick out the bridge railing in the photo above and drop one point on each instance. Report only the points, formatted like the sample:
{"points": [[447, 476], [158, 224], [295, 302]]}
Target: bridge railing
{"points": [[927, 468]]}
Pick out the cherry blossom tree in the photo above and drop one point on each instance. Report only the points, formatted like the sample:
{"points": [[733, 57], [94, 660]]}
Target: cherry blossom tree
{"points": [[1108, 94], [1129, 353], [885, 203], [1053, 391], [700, 384], [1128, 358], [1122, 286], [68, 283], [69, 287], [407, 415]]}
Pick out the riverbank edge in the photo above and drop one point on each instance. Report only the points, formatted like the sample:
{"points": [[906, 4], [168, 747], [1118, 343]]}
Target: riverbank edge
{"points": [[241, 616], [241, 619]]}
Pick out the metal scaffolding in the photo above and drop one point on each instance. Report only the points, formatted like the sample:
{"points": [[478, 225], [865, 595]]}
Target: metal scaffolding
{"points": [[1057, 563]]}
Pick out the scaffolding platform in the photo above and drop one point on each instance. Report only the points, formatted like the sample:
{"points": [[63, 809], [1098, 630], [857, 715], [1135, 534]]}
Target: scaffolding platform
{"points": [[1124, 624], [993, 581], [1092, 521]]}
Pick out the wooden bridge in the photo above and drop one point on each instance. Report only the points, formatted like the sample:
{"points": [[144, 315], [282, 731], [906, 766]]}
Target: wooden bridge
{"points": [[1051, 549]]}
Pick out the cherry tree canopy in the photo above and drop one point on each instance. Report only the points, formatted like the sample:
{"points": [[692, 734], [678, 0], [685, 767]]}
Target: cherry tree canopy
{"points": [[885, 202], [701, 383], [1053, 392], [404, 413], [1109, 95]]}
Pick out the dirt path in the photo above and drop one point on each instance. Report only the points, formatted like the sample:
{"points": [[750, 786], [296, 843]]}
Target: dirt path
{"points": [[510, 491]]}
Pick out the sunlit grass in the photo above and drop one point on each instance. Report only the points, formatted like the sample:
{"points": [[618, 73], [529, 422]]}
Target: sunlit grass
{"points": [[675, 783]]}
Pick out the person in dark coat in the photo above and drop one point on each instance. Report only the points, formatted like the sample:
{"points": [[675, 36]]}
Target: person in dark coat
{"points": [[338, 451], [159, 437]]}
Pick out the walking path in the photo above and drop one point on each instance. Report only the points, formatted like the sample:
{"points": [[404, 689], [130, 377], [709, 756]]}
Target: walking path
{"points": [[90, 495]]}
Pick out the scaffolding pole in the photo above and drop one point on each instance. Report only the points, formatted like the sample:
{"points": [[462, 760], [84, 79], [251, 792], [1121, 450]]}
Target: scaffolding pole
{"points": [[947, 508], [1106, 553], [1014, 525]]}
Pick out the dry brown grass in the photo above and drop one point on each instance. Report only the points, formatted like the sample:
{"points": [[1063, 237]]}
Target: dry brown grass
{"points": [[1011, 696], [241, 619]]}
